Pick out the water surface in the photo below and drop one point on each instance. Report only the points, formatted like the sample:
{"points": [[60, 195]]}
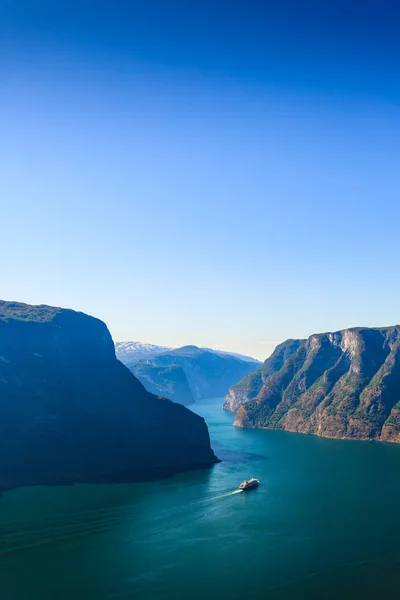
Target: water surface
{"points": [[324, 523]]}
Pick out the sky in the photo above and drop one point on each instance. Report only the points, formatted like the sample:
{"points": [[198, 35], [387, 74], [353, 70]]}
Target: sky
{"points": [[224, 174]]}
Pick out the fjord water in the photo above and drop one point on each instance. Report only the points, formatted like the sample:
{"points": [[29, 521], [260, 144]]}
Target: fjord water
{"points": [[324, 523]]}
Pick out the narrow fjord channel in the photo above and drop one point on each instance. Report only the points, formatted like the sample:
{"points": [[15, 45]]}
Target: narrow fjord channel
{"points": [[325, 518]]}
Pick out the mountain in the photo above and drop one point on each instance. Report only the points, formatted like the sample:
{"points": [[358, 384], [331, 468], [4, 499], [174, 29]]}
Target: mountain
{"points": [[131, 352], [248, 387], [169, 381], [236, 355], [341, 385], [71, 412], [209, 374]]}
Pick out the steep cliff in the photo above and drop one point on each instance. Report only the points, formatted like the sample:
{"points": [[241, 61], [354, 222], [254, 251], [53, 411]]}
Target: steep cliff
{"points": [[341, 385], [248, 387], [169, 381], [70, 411]]}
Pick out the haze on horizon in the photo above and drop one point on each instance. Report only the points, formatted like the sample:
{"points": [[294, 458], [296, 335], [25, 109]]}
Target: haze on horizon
{"points": [[218, 174]]}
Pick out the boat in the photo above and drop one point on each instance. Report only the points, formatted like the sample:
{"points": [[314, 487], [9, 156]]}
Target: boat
{"points": [[249, 484]]}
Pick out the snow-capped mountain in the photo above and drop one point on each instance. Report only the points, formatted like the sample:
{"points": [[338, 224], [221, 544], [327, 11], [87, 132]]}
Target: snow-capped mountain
{"points": [[130, 352]]}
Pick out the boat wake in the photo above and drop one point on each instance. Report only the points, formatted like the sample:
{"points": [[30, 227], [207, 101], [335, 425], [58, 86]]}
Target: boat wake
{"points": [[69, 526], [223, 495]]}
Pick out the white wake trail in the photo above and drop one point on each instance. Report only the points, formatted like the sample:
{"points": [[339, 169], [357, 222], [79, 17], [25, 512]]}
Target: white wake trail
{"points": [[222, 495]]}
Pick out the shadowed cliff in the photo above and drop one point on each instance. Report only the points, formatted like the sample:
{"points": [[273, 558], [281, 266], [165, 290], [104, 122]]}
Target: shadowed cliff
{"points": [[70, 411]]}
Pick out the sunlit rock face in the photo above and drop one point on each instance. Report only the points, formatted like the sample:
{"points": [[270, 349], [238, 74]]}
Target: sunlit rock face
{"points": [[342, 385], [248, 387]]}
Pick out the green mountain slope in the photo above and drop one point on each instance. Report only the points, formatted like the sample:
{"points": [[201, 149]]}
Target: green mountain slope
{"points": [[341, 385], [248, 387]]}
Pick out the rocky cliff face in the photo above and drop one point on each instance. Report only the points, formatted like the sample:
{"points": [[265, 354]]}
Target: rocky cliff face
{"points": [[70, 411], [209, 374], [341, 385], [169, 381], [251, 384]]}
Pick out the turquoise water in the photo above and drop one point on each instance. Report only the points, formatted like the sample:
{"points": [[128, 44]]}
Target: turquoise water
{"points": [[324, 523]]}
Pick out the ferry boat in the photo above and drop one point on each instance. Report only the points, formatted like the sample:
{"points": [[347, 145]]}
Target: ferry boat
{"points": [[249, 484]]}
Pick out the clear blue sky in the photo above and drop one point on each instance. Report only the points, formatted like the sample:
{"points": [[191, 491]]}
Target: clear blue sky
{"points": [[222, 174]]}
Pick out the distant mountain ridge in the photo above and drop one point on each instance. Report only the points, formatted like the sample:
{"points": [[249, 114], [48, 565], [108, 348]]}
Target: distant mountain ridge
{"points": [[131, 352], [236, 355], [134, 351], [344, 384], [208, 374]]}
